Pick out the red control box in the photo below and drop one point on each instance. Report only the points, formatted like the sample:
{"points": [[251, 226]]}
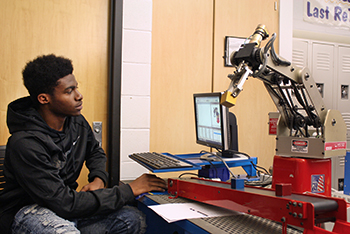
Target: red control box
{"points": [[304, 174]]}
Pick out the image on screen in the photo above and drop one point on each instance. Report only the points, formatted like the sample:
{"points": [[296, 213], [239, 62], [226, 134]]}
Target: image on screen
{"points": [[210, 120]]}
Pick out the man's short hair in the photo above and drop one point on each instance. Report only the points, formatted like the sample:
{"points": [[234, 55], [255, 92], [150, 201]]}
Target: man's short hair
{"points": [[42, 74]]}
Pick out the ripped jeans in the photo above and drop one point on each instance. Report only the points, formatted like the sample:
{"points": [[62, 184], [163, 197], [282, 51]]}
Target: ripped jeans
{"points": [[35, 219]]}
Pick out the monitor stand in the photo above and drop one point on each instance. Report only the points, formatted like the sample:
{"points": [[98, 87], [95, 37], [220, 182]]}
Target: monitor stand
{"points": [[233, 138], [229, 154]]}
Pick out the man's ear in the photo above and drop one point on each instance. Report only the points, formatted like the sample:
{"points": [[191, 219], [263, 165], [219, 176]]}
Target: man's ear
{"points": [[43, 98]]}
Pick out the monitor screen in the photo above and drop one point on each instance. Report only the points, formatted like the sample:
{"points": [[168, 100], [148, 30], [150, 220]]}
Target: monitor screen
{"points": [[211, 121]]}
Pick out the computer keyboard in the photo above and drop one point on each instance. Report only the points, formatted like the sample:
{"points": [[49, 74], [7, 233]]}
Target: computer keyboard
{"points": [[158, 161]]}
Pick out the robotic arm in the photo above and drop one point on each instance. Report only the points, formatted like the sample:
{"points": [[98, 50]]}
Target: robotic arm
{"points": [[306, 128]]}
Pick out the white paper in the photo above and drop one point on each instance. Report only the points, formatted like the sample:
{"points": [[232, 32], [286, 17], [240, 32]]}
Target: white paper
{"points": [[172, 212]]}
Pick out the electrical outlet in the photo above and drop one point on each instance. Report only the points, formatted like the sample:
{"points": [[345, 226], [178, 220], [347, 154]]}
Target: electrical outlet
{"points": [[97, 130]]}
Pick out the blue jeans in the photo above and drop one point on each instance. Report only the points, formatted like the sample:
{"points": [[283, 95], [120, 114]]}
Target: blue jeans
{"points": [[34, 219]]}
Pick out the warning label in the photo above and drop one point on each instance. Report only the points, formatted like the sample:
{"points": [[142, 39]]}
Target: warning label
{"points": [[273, 126], [335, 145], [300, 146]]}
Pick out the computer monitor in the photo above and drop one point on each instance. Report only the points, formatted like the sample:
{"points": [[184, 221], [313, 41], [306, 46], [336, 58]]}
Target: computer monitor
{"points": [[211, 121]]}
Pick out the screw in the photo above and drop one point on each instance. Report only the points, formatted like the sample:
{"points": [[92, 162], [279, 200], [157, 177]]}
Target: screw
{"points": [[333, 122], [307, 76]]}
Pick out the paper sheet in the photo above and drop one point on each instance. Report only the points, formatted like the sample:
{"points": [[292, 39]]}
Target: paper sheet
{"points": [[178, 211]]}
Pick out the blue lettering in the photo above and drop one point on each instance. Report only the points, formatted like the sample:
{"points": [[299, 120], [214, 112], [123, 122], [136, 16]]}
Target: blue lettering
{"points": [[316, 12], [337, 12], [345, 16], [322, 13], [308, 9]]}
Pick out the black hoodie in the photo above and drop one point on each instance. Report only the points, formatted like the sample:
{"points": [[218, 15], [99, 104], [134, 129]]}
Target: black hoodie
{"points": [[42, 166]]}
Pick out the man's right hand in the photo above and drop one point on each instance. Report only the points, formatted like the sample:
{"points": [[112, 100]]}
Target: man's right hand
{"points": [[147, 183]]}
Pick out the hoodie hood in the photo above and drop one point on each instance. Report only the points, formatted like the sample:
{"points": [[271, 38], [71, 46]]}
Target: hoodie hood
{"points": [[22, 116]]}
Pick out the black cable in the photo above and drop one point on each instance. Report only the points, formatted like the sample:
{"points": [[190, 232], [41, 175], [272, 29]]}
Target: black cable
{"points": [[303, 102], [268, 45], [299, 98], [204, 151], [187, 173], [228, 168], [256, 166], [281, 101], [289, 100], [274, 56], [263, 183]]}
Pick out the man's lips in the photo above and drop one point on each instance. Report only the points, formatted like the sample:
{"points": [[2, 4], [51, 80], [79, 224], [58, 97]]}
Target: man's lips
{"points": [[79, 106]]}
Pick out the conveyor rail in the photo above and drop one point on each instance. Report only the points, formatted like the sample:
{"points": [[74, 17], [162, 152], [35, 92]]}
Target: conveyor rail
{"points": [[302, 210]]}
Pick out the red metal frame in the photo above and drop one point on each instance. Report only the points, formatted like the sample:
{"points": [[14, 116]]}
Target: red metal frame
{"points": [[299, 172], [297, 209]]}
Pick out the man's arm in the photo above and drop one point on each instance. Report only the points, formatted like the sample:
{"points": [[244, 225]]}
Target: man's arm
{"points": [[95, 162], [147, 183], [41, 181], [95, 158], [97, 183], [143, 184]]}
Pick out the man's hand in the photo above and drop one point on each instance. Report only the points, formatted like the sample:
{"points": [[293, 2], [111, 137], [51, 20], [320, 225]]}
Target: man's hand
{"points": [[147, 183], [94, 185]]}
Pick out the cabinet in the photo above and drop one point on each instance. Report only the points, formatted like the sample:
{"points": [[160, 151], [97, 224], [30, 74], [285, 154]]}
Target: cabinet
{"points": [[329, 64]]}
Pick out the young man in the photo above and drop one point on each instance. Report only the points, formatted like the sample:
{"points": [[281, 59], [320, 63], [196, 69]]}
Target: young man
{"points": [[50, 140]]}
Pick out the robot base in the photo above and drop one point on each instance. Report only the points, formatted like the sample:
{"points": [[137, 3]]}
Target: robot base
{"points": [[304, 174]]}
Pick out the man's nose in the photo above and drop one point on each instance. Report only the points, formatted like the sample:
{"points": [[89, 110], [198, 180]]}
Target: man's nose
{"points": [[79, 96]]}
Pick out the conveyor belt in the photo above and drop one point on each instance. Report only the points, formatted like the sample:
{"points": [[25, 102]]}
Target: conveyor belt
{"points": [[241, 223], [320, 204]]}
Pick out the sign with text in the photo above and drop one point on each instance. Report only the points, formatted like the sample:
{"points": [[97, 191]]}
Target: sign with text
{"points": [[273, 120], [334, 13]]}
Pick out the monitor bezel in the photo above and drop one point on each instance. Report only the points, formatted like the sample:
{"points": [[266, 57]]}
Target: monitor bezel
{"points": [[224, 126]]}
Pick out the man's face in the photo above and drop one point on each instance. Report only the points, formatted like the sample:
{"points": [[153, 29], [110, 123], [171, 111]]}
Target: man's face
{"points": [[66, 99]]}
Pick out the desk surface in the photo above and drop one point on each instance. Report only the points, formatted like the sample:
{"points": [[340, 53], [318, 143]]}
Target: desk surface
{"points": [[241, 224]]}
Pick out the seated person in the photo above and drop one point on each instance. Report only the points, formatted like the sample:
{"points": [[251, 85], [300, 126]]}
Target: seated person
{"points": [[49, 143]]}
